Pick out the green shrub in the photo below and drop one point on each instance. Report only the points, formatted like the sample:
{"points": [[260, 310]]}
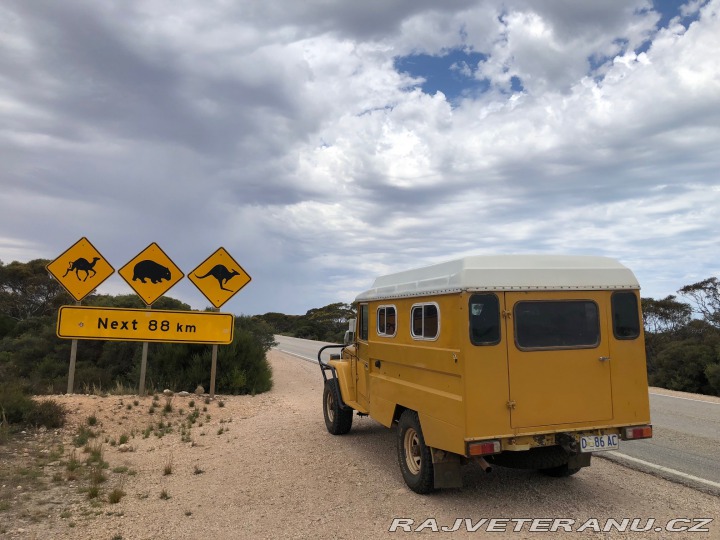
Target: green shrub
{"points": [[15, 404], [48, 413]]}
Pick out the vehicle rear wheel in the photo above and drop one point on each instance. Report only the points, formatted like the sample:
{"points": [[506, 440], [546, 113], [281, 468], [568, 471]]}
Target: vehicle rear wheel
{"points": [[414, 456], [338, 420]]}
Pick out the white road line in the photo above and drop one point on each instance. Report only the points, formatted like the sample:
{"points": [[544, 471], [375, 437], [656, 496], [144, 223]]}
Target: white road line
{"points": [[297, 355], [666, 470], [685, 398]]}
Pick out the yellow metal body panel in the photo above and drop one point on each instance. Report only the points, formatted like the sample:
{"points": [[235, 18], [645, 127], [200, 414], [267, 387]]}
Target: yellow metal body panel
{"points": [[79, 322], [348, 391], [463, 392]]}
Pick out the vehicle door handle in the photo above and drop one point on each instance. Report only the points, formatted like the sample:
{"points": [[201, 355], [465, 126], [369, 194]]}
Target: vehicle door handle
{"points": [[604, 358]]}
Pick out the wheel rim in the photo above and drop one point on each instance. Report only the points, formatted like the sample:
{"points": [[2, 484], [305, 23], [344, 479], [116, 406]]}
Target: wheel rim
{"points": [[330, 406], [411, 444]]}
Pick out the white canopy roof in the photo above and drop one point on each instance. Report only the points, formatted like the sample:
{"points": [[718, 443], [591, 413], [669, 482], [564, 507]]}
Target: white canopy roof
{"points": [[505, 273]]}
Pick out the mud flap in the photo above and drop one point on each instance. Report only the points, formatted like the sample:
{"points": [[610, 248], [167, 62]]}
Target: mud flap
{"points": [[577, 461], [446, 467]]}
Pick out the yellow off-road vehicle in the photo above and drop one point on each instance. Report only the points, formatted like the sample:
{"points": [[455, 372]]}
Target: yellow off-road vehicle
{"points": [[522, 361]]}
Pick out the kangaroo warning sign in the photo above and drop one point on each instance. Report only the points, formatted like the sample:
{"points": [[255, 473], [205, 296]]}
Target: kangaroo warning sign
{"points": [[151, 273], [219, 277], [80, 269]]}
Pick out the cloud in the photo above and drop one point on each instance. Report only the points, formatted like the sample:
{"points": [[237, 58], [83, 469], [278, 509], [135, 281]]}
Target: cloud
{"points": [[283, 132]]}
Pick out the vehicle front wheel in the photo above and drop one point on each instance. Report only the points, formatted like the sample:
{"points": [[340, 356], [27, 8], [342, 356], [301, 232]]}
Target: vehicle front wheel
{"points": [[338, 420], [414, 456]]}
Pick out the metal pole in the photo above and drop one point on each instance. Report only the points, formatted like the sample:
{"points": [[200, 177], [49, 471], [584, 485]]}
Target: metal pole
{"points": [[213, 367], [71, 374], [143, 368], [73, 356], [213, 371], [143, 364]]}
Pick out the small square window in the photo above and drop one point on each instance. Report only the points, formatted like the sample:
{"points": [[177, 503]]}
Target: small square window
{"points": [[386, 321], [425, 321]]}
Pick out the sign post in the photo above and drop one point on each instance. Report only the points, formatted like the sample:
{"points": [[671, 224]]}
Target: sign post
{"points": [[71, 371], [151, 273], [219, 278], [80, 270]]}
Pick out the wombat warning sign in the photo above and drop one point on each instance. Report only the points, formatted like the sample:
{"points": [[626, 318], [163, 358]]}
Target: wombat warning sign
{"points": [[151, 273]]}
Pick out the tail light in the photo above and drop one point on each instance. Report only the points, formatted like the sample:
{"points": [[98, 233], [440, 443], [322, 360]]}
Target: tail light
{"points": [[637, 432], [484, 448]]}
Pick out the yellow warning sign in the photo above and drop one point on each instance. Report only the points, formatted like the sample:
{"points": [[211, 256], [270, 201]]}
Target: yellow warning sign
{"points": [[219, 277], [80, 322], [80, 269], [151, 273]]}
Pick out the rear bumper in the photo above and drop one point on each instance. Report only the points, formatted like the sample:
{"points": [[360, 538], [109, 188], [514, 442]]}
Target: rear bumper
{"points": [[568, 439]]}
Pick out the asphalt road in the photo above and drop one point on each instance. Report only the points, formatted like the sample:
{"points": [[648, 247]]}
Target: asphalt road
{"points": [[686, 438], [686, 432], [303, 348]]}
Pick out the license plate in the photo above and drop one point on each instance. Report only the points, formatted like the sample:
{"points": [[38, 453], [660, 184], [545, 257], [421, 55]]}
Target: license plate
{"points": [[599, 443]]}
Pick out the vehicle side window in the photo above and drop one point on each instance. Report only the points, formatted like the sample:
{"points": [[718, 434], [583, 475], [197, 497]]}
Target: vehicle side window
{"points": [[425, 321], [484, 312], [626, 322], [570, 324], [386, 321], [363, 335]]}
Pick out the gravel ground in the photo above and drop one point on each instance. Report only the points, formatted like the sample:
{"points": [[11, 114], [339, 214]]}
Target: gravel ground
{"points": [[265, 467]]}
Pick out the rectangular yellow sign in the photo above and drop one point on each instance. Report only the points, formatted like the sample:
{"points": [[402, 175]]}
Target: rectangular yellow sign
{"points": [[80, 322]]}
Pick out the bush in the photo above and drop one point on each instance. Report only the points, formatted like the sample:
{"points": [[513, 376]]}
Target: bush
{"points": [[681, 365], [48, 413], [15, 404], [712, 372]]}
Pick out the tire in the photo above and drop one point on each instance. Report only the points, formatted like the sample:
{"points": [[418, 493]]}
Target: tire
{"points": [[338, 420], [562, 471], [414, 456]]}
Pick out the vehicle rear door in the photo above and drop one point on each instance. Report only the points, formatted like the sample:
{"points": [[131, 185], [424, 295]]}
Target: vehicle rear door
{"points": [[558, 364]]}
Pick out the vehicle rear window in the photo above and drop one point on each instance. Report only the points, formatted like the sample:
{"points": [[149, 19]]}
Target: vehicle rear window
{"points": [[557, 324], [484, 315], [425, 321], [626, 321]]}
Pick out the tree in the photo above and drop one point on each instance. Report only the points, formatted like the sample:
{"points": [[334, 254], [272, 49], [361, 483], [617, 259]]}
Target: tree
{"points": [[706, 295], [682, 365], [27, 290], [666, 315]]}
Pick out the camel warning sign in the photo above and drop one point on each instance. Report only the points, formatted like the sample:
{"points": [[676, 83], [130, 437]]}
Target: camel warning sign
{"points": [[80, 269], [219, 277], [151, 273]]}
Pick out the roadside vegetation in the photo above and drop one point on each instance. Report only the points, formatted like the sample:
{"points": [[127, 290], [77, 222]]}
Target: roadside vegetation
{"points": [[33, 360], [683, 339], [322, 324], [682, 335]]}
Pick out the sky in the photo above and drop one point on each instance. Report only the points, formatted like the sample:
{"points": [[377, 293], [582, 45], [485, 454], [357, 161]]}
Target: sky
{"points": [[323, 143]]}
